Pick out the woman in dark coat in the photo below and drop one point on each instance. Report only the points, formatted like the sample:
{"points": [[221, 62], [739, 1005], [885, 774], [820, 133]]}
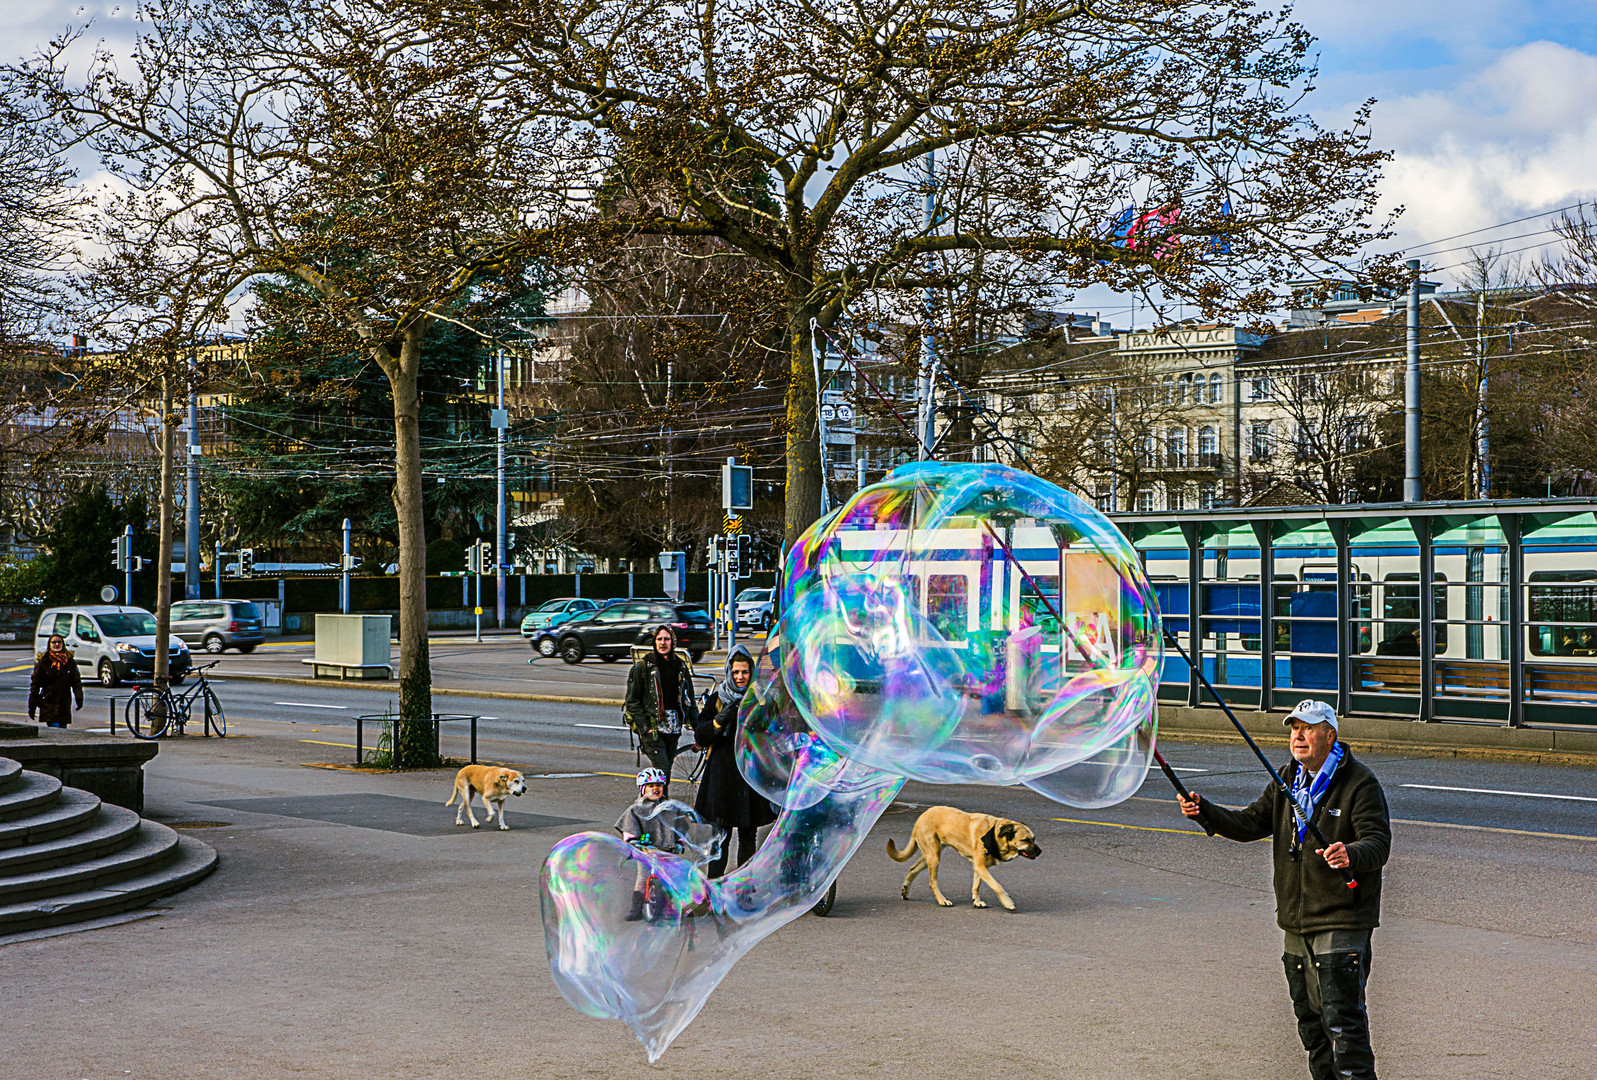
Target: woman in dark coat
{"points": [[55, 684], [724, 796], [659, 701]]}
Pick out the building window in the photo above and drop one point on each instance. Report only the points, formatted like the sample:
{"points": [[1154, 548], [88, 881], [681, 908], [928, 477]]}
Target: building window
{"points": [[1259, 445], [1175, 497], [1184, 390], [1145, 501], [1206, 497], [1169, 385], [1259, 388], [1214, 389], [1208, 445], [1149, 453], [1103, 499], [1178, 447]]}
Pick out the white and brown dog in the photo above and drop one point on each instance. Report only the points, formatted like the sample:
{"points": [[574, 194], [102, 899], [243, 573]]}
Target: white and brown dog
{"points": [[983, 839], [493, 783]]}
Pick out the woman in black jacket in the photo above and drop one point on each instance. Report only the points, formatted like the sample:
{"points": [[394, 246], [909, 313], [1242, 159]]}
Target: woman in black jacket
{"points": [[724, 796], [659, 701], [55, 684]]}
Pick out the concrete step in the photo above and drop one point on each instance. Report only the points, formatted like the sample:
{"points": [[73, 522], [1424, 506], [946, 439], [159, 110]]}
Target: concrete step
{"points": [[26, 796], [72, 810], [10, 773], [109, 831], [151, 847], [189, 861]]}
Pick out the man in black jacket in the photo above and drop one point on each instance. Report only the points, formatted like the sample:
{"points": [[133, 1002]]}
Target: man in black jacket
{"points": [[1327, 951]]}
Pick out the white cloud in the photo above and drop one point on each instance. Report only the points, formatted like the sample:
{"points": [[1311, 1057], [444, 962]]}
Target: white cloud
{"points": [[1517, 137]]}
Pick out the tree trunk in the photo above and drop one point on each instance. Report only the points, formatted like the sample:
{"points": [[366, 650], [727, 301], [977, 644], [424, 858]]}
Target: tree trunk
{"points": [[163, 547], [415, 746], [803, 435]]}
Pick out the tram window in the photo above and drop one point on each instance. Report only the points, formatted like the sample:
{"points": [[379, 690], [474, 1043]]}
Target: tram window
{"points": [[1572, 600], [1400, 608], [1035, 606], [948, 605]]}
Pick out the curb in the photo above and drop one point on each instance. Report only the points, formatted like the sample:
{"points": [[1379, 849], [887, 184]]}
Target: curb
{"points": [[444, 691], [1473, 753]]}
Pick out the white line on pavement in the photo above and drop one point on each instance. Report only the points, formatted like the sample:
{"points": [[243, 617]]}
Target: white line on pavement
{"points": [[309, 705], [601, 727], [1493, 791]]}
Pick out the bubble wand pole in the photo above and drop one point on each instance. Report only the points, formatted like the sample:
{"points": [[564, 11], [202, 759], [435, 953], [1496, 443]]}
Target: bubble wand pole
{"points": [[1286, 792]]}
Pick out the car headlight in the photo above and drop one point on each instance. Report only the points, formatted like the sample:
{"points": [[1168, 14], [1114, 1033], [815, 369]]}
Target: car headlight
{"points": [[124, 647], [182, 647]]}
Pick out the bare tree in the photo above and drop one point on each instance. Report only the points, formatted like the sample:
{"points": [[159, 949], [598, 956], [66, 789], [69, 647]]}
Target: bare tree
{"points": [[330, 143], [1075, 111]]}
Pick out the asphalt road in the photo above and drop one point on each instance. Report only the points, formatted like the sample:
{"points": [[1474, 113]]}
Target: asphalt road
{"points": [[1520, 799]]}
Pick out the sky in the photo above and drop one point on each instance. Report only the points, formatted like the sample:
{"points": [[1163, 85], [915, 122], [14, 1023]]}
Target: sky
{"points": [[1488, 106]]}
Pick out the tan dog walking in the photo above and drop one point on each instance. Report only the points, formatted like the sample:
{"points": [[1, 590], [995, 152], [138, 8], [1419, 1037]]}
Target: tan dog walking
{"points": [[983, 839], [493, 783]]}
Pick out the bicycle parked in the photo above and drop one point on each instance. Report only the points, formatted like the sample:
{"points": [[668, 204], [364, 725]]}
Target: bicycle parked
{"points": [[153, 712]]}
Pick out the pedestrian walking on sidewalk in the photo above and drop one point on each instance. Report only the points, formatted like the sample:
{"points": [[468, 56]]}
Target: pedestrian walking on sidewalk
{"points": [[55, 684], [1327, 924], [724, 796], [659, 701]]}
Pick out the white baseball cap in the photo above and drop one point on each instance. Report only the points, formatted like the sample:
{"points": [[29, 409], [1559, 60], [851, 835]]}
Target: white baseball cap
{"points": [[1313, 712]]}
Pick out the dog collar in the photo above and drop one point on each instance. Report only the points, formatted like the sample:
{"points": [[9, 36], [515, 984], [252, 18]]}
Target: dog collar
{"points": [[989, 843]]}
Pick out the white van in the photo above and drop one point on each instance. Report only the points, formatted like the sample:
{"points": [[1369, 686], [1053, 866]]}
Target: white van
{"points": [[114, 644]]}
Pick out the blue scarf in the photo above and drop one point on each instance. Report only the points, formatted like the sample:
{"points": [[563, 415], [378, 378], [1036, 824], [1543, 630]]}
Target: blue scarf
{"points": [[1308, 800]]}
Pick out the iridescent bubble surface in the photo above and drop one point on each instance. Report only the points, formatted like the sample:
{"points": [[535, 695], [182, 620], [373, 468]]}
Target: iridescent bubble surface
{"points": [[952, 624]]}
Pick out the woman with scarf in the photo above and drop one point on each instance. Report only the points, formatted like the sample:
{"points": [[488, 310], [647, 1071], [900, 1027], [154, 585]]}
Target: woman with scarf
{"points": [[660, 701], [724, 796], [55, 684]]}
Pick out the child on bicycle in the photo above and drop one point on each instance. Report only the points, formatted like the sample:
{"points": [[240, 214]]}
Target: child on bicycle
{"points": [[646, 824]]}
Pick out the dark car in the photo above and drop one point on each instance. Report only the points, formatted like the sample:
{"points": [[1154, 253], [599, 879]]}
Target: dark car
{"points": [[610, 633]]}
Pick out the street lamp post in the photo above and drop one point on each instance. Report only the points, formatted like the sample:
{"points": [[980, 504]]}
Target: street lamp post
{"points": [[343, 590], [501, 420]]}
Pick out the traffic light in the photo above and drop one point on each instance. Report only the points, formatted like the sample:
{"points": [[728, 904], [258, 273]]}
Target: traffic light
{"points": [[734, 555], [485, 557], [120, 552], [348, 562], [745, 564], [473, 559], [246, 562]]}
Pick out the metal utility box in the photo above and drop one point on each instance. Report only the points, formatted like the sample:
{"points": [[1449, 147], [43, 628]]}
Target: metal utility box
{"points": [[352, 646]]}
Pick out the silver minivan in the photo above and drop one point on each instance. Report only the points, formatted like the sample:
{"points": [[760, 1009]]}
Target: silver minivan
{"points": [[114, 644], [218, 625]]}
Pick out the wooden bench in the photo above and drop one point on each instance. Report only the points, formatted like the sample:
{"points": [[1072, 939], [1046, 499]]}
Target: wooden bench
{"points": [[1576, 682], [1392, 674]]}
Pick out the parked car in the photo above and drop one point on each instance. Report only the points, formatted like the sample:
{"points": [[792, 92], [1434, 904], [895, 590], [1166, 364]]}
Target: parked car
{"points": [[614, 600], [112, 643], [754, 608], [219, 625], [610, 633]]}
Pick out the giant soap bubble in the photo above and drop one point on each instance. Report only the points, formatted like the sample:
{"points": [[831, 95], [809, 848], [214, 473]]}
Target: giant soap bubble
{"points": [[952, 624]]}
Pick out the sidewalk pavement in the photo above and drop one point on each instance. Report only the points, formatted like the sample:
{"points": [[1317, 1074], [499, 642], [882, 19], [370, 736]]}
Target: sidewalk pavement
{"points": [[353, 931]]}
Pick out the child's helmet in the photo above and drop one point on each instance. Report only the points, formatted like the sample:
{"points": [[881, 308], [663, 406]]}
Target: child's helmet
{"points": [[650, 776]]}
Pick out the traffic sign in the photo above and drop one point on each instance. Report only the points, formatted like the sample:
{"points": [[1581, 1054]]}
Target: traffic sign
{"points": [[732, 524]]}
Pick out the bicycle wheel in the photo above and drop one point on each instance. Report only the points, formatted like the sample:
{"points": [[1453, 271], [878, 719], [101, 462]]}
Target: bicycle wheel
{"points": [[823, 906], [147, 714], [215, 721]]}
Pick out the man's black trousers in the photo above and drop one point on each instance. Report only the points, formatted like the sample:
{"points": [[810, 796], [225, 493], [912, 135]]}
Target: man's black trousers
{"points": [[1326, 973]]}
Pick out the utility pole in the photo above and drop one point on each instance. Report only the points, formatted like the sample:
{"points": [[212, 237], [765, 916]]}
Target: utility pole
{"points": [[501, 420], [927, 418], [1411, 391], [820, 416], [343, 591], [127, 568], [191, 498], [1483, 460]]}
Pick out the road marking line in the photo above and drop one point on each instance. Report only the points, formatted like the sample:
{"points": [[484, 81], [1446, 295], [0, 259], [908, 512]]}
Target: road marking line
{"points": [[1493, 791], [318, 742], [1489, 828], [24, 667], [1178, 768], [602, 727], [1117, 825], [309, 705]]}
